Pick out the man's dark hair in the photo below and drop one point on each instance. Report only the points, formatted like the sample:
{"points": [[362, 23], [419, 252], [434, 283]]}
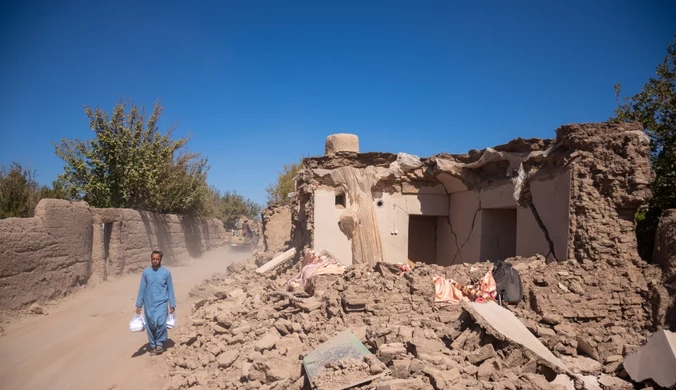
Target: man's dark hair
{"points": [[157, 253]]}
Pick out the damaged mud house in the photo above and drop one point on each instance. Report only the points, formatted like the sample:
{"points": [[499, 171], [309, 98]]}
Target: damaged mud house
{"points": [[379, 274], [383, 271], [521, 199]]}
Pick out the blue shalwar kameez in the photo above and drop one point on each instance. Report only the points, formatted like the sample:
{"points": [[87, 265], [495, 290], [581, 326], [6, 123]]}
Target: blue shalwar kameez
{"points": [[154, 295]]}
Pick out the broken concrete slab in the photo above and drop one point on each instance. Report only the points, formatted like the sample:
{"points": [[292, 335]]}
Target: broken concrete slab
{"points": [[502, 323], [655, 360], [344, 345]]}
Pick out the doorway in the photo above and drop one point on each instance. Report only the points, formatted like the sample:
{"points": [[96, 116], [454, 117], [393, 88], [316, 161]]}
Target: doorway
{"points": [[422, 239], [498, 234], [107, 234]]}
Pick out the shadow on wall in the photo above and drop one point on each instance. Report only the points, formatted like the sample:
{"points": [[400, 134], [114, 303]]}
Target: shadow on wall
{"points": [[161, 232], [670, 320], [193, 236]]}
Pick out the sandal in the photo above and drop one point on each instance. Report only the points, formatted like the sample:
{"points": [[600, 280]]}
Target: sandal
{"points": [[159, 349]]}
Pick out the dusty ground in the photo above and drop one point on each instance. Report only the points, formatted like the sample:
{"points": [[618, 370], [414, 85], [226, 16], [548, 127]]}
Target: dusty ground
{"points": [[84, 342]]}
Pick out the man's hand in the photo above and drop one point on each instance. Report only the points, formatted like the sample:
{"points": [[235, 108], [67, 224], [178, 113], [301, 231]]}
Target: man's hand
{"points": [[171, 310], [138, 310]]}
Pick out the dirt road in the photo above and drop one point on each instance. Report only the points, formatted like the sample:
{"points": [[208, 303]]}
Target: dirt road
{"points": [[85, 342]]}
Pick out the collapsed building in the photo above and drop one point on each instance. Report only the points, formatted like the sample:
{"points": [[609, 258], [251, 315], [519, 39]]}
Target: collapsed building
{"points": [[573, 197], [351, 289]]}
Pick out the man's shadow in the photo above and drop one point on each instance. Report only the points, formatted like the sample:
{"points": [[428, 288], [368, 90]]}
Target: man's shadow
{"points": [[145, 348]]}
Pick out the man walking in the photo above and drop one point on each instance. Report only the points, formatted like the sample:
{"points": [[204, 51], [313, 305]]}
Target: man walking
{"points": [[154, 295]]}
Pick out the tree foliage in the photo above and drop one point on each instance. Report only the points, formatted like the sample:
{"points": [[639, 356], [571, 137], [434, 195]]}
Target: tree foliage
{"points": [[130, 164], [655, 107], [20, 191], [230, 206], [285, 184]]}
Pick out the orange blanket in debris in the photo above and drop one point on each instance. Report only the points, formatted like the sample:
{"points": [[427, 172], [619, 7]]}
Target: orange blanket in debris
{"points": [[445, 291], [453, 292]]}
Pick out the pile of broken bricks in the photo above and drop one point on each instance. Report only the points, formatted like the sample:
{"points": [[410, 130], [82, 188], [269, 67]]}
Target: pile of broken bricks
{"points": [[577, 327]]}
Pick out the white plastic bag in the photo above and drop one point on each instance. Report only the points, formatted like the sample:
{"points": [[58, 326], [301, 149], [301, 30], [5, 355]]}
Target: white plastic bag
{"points": [[137, 324], [171, 321]]}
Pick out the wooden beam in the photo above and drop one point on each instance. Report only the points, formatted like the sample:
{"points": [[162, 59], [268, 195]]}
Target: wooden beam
{"points": [[277, 261]]}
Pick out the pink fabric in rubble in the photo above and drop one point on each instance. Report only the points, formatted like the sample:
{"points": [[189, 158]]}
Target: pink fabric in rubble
{"points": [[452, 292], [445, 291], [311, 266], [487, 285]]}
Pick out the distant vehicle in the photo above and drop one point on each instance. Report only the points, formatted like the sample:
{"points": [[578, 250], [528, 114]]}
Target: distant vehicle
{"points": [[243, 237]]}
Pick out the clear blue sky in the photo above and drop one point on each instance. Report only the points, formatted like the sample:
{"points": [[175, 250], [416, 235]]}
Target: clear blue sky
{"points": [[259, 84]]}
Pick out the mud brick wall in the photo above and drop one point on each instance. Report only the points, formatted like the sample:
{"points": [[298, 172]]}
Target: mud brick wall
{"points": [[610, 174], [125, 238], [46, 256], [68, 244], [277, 227]]}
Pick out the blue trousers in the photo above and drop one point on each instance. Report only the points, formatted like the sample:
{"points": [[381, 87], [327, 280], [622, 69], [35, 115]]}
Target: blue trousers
{"points": [[156, 326]]}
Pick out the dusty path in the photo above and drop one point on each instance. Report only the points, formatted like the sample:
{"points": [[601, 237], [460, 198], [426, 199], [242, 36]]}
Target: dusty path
{"points": [[85, 342]]}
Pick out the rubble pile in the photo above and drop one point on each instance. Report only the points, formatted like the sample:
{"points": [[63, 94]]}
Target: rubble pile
{"points": [[247, 332], [348, 371]]}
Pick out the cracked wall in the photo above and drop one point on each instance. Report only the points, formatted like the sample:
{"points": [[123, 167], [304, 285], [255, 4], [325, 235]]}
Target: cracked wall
{"points": [[550, 198], [574, 197]]}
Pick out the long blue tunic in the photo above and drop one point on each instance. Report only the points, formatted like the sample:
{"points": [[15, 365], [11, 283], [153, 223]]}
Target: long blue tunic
{"points": [[155, 294]]}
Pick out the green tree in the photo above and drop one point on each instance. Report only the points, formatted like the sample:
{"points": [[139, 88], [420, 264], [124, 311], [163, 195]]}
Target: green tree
{"points": [[20, 191], [57, 191], [655, 107], [231, 206], [285, 184], [131, 164]]}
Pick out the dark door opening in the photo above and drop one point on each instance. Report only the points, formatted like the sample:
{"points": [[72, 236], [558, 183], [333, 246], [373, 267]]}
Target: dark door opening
{"points": [[107, 233], [498, 234], [422, 238]]}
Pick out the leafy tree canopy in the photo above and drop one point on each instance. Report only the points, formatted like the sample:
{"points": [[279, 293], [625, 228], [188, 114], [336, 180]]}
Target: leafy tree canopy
{"points": [[655, 107], [279, 191], [230, 206], [130, 164], [20, 191]]}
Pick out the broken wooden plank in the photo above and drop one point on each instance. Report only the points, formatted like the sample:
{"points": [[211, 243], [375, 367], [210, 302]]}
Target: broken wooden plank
{"points": [[277, 261]]}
